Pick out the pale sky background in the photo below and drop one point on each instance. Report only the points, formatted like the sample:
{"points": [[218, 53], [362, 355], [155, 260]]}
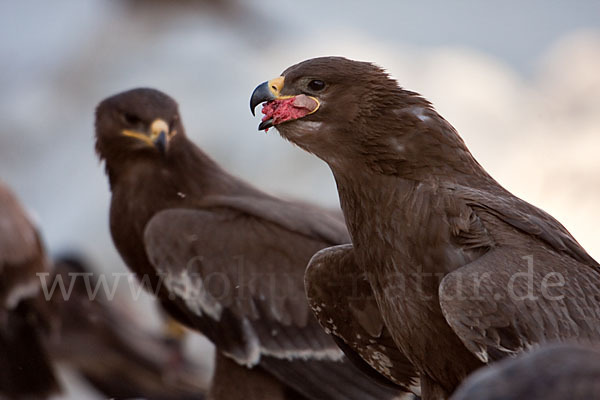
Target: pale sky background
{"points": [[519, 80]]}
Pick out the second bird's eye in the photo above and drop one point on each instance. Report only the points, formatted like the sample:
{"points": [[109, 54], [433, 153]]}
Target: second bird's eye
{"points": [[173, 123], [316, 85], [131, 119]]}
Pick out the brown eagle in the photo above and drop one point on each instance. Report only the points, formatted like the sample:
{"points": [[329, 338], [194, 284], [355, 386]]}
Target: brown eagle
{"points": [[26, 369], [104, 345], [552, 372], [223, 257], [463, 272]]}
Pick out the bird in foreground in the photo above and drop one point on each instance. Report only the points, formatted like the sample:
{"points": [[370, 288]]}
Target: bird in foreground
{"points": [[101, 342], [552, 372], [223, 257], [463, 272], [26, 370]]}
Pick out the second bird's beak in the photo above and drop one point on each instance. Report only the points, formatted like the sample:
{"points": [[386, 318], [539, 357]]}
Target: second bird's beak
{"points": [[158, 135], [159, 130], [266, 91]]}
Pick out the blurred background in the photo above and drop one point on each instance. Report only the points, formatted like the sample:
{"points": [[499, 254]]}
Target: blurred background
{"points": [[519, 80]]}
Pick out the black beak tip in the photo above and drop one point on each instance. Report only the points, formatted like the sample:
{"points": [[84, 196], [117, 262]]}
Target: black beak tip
{"points": [[161, 142], [265, 124]]}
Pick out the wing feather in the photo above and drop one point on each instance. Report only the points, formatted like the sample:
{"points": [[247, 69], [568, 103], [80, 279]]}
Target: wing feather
{"points": [[225, 260], [509, 300], [237, 276], [525, 217], [343, 302]]}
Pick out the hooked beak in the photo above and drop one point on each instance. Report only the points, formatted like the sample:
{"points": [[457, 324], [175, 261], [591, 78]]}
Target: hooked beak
{"points": [[158, 135], [266, 91]]}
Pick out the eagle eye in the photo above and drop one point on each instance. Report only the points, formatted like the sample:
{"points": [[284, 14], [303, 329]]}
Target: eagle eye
{"points": [[131, 119], [316, 85], [173, 122]]}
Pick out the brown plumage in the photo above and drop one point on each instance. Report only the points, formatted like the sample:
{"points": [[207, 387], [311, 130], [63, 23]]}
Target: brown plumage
{"points": [[101, 342], [447, 251], [552, 372], [26, 370], [223, 257]]}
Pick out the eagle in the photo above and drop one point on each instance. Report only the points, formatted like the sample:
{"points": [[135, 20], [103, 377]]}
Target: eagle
{"points": [[223, 257], [26, 368], [98, 338], [462, 271], [555, 371]]}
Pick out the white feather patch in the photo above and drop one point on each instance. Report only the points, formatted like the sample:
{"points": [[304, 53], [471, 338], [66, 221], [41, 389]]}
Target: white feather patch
{"points": [[420, 113], [254, 350], [193, 293], [20, 292], [329, 354], [199, 301]]}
